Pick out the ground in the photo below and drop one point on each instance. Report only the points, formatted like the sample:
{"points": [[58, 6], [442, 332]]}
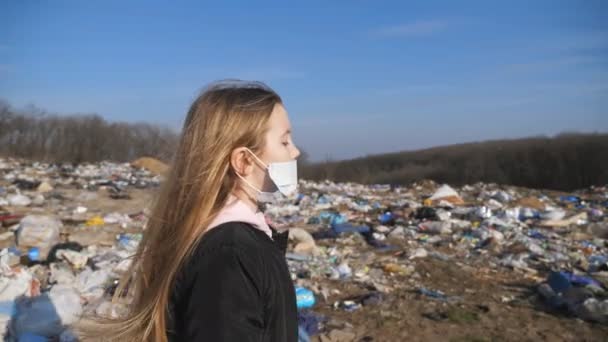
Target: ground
{"points": [[486, 303]]}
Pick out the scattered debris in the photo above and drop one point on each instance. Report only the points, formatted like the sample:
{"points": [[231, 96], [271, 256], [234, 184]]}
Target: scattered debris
{"points": [[67, 232]]}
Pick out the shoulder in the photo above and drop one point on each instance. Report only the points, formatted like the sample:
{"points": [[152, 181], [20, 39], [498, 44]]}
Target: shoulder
{"points": [[228, 252], [231, 244], [236, 236]]}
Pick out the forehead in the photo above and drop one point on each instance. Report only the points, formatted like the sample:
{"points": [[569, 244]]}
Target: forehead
{"points": [[279, 120]]}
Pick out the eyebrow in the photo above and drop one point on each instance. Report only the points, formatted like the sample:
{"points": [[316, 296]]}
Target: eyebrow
{"points": [[286, 132]]}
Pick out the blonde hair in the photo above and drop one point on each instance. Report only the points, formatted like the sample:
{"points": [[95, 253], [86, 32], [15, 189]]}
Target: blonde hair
{"points": [[227, 115]]}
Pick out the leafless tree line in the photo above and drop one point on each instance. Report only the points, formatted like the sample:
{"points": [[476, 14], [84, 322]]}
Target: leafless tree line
{"points": [[565, 162], [37, 135]]}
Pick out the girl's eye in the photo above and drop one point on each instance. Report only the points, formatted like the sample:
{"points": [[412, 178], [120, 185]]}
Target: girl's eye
{"points": [[285, 143]]}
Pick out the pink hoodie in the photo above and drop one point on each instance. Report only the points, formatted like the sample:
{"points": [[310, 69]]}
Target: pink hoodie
{"points": [[236, 210]]}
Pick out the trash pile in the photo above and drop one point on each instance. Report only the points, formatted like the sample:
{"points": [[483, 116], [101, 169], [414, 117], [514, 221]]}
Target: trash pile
{"points": [[67, 231], [60, 255], [369, 234]]}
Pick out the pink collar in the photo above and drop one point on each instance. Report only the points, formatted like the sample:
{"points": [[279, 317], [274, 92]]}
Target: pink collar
{"points": [[236, 210]]}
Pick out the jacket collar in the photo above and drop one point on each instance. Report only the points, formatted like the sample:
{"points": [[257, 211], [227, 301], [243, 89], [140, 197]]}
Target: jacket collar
{"points": [[236, 210]]}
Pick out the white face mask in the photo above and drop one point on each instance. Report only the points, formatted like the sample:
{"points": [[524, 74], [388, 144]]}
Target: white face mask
{"points": [[284, 175]]}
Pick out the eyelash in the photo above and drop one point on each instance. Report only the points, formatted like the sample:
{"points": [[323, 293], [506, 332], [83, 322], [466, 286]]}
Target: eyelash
{"points": [[285, 143]]}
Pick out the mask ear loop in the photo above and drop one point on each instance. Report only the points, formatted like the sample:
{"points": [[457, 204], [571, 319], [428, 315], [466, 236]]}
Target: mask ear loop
{"points": [[248, 183], [258, 159], [261, 205], [251, 198]]}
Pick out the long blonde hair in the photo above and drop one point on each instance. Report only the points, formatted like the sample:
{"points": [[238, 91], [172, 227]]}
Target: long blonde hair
{"points": [[227, 115]]}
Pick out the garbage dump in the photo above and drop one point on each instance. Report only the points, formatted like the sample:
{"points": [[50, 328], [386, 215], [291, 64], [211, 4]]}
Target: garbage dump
{"points": [[425, 261]]}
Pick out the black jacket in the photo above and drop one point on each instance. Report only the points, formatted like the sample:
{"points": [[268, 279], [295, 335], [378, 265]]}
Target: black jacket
{"points": [[236, 287]]}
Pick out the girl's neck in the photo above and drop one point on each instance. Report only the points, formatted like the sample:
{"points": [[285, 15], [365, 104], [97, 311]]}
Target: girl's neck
{"points": [[247, 199]]}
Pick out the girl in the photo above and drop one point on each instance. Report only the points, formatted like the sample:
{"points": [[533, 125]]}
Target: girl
{"points": [[209, 267]]}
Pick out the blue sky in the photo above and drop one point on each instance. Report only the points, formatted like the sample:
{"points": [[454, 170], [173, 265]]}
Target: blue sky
{"points": [[357, 77]]}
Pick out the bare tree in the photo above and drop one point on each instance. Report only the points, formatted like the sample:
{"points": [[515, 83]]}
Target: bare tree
{"points": [[35, 134], [565, 162]]}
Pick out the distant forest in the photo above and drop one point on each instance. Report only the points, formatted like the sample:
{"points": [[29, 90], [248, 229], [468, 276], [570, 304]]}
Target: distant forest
{"points": [[565, 162], [37, 135]]}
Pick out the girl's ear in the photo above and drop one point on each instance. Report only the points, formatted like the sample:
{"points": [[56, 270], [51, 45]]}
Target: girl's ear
{"points": [[241, 161]]}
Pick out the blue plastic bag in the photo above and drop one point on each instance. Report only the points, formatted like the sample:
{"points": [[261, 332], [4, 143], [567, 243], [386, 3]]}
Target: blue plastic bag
{"points": [[386, 217], [338, 219], [31, 337], [349, 228], [33, 254], [570, 199], [562, 281], [304, 298]]}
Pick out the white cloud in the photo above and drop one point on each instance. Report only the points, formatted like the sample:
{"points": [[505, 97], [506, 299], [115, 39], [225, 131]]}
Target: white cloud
{"points": [[414, 29]]}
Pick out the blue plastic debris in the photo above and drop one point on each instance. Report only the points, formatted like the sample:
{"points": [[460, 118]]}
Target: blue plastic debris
{"points": [[597, 262], [535, 234], [322, 200], [338, 219], [310, 321], [582, 280], [562, 281], [327, 217], [528, 213], [570, 199], [385, 218], [31, 337], [33, 254], [302, 334], [304, 297], [349, 228], [559, 282], [7, 308], [433, 294]]}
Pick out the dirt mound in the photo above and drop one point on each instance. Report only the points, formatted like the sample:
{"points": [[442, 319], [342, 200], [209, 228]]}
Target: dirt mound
{"points": [[531, 202], [153, 165]]}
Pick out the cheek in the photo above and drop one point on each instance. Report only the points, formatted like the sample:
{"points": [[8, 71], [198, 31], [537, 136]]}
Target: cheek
{"points": [[277, 152]]}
